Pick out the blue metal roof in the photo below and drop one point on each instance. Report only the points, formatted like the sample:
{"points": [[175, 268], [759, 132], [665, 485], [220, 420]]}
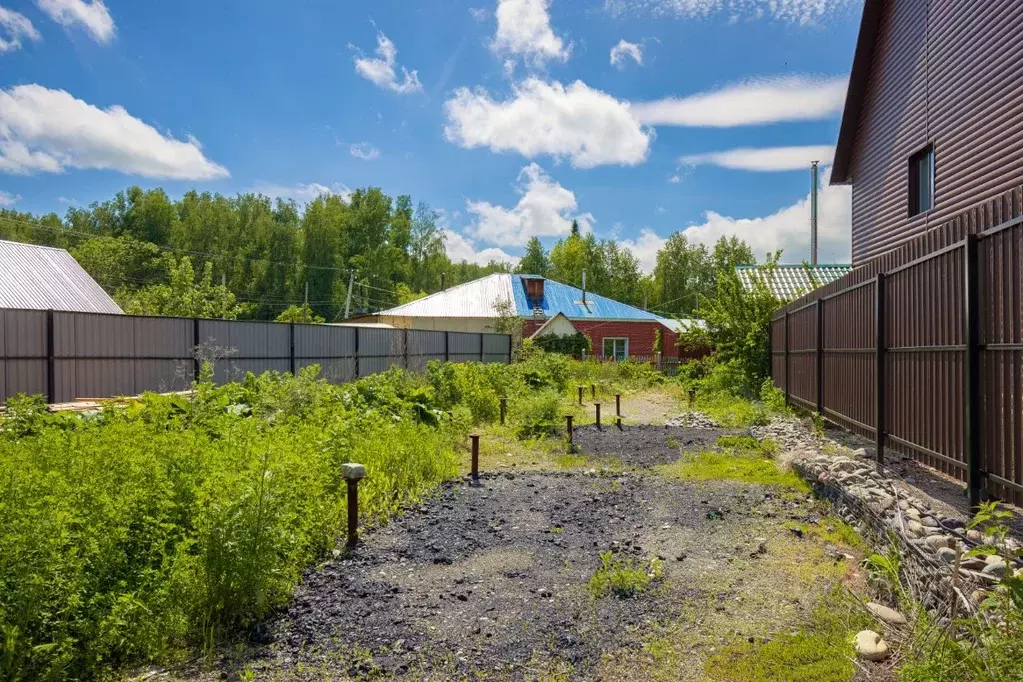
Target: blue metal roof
{"points": [[562, 298]]}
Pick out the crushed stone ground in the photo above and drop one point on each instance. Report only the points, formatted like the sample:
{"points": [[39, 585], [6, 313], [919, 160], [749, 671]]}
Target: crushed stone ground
{"points": [[647, 445]]}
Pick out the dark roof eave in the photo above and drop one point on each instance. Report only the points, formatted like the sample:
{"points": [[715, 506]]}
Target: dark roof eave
{"points": [[864, 56]]}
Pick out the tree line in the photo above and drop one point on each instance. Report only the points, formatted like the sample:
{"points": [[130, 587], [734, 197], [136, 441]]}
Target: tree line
{"points": [[255, 257]]}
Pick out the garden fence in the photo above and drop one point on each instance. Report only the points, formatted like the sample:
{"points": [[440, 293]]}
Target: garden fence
{"points": [[67, 356], [920, 349]]}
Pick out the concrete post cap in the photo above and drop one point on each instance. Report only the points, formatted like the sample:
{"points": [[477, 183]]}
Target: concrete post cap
{"points": [[353, 471]]}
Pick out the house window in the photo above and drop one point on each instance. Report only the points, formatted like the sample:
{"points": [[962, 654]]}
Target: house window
{"points": [[921, 181], [617, 348]]}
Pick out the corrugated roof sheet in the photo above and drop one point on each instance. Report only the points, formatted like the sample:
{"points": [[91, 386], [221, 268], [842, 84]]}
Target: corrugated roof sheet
{"points": [[481, 297], [790, 281], [43, 278]]}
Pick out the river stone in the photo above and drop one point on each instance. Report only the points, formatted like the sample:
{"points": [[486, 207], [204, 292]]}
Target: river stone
{"points": [[870, 645], [886, 614], [997, 569], [915, 527], [929, 522], [974, 535], [947, 554], [936, 542], [913, 513]]}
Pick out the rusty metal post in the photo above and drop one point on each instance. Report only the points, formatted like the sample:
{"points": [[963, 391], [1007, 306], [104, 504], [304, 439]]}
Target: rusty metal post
{"points": [[593, 391], [580, 394], [618, 404], [475, 458], [352, 474], [879, 364], [971, 371], [504, 409], [568, 426], [597, 405], [692, 398], [618, 423]]}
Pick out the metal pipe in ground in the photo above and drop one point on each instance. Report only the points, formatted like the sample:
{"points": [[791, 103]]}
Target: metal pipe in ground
{"points": [[475, 457], [593, 390], [618, 423], [618, 404], [597, 406], [504, 409], [568, 428], [580, 394], [352, 474]]}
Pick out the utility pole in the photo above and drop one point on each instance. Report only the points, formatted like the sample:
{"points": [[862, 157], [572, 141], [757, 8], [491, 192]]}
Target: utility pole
{"points": [[813, 213], [348, 298], [307, 293]]}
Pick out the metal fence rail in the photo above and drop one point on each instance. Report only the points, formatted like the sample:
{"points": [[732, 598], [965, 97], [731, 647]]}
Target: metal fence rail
{"points": [[66, 356], [921, 349]]}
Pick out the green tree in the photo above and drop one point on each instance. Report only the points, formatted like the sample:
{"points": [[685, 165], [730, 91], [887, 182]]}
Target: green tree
{"points": [[535, 261], [183, 295], [299, 314], [121, 262]]}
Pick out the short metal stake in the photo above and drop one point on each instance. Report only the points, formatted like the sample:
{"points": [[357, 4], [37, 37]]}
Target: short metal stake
{"points": [[352, 474], [692, 397], [568, 426], [504, 409], [597, 405], [618, 404], [581, 394], [618, 423], [475, 458], [593, 390]]}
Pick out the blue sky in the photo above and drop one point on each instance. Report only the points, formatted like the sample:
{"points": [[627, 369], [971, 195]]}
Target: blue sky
{"points": [[511, 117]]}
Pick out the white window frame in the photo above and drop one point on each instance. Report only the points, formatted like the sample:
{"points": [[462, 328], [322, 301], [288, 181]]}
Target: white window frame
{"points": [[614, 339]]}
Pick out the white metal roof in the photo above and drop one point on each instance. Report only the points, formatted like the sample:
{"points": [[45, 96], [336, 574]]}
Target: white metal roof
{"points": [[679, 326], [43, 278], [791, 281], [478, 298]]}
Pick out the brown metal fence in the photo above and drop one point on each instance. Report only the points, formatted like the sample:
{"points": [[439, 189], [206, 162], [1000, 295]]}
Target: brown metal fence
{"points": [[66, 356], [921, 348]]}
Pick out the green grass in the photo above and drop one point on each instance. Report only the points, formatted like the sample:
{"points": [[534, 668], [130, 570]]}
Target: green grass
{"points": [[820, 651], [732, 465], [623, 577]]}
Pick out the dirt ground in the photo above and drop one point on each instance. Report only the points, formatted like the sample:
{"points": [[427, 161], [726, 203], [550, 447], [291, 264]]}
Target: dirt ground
{"points": [[493, 582]]}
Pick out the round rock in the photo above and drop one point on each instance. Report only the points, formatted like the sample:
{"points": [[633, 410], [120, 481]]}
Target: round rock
{"points": [[870, 645], [888, 615]]}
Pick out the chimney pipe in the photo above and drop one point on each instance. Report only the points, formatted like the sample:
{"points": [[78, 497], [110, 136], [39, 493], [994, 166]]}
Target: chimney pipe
{"points": [[813, 213], [584, 287]]}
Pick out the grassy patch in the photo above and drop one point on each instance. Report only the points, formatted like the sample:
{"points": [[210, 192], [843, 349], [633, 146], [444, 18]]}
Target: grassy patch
{"points": [[732, 465], [830, 529], [623, 576], [820, 651]]}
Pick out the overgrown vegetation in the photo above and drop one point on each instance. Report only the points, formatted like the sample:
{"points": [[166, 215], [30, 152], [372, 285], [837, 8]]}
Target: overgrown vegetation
{"points": [[623, 576], [140, 532], [738, 459]]}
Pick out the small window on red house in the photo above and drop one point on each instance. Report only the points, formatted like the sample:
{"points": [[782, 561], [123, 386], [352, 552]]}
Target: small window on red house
{"points": [[921, 181], [616, 348]]}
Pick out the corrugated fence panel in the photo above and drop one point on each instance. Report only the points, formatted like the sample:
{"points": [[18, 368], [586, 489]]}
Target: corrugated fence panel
{"points": [[464, 347], [803, 356], [163, 353], [496, 348], [324, 341], [24, 337], [850, 358]]}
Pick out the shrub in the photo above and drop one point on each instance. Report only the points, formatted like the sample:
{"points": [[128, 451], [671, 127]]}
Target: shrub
{"points": [[574, 344], [623, 576], [537, 413]]}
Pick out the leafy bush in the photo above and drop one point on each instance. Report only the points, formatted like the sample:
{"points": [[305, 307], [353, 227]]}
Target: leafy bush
{"points": [[536, 413], [574, 344]]}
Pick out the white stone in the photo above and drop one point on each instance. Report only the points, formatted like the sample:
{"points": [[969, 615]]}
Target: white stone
{"points": [[915, 527], [947, 554], [352, 471], [888, 615], [870, 645]]}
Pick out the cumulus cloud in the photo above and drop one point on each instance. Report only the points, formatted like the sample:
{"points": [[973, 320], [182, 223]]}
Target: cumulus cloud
{"points": [[764, 159], [800, 12], [303, 193], [524, 30], [626, 50], [645, 248], [380, 70], [544, 209], [460, 248], [480, 14], [364, 151], [15, 27], [587, 126], [44, 130], [90, 15], [8, 199], [755, 102]]}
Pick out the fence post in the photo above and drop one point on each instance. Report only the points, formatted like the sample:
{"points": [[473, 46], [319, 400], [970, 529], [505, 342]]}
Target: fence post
{"points": [[292, 344], [356, 352], [482, 356], [786, 357], [770, 351], [879, 387], [971, 404], [447, 347], [197, 369], [51, 364], [820, 356], [404, 347]]}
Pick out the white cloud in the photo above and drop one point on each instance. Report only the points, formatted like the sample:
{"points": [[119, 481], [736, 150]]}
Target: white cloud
{"points": [[7, 199], [49, 130], [576, 122], [765, 159], [644, 248], [480, 14], [380, 70], [524, 29], [460, 247], [756, 102], [13, 28], [789, 228], [675, 179], [303, 193], [623, 50], [545, 209], [91, 15], [364, 151], [795, 11]]}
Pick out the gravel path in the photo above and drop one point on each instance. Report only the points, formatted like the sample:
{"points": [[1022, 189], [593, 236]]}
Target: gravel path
{"points": [[647, 445]]}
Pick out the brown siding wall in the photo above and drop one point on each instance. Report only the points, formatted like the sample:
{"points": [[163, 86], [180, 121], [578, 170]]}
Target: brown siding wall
{"points": [[945, 72]]}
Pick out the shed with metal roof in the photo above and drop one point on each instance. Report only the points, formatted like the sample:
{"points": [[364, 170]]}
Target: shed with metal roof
{"points": [[44, 278]]}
